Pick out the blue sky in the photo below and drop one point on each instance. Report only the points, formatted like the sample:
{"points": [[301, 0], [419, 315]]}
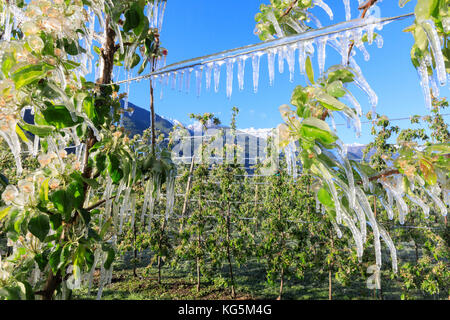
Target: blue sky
{"points": [[200, 27]]}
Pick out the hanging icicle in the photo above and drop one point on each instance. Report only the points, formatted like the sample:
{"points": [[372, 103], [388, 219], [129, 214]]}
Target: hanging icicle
{"points": [[256, 59], [230, 64]]}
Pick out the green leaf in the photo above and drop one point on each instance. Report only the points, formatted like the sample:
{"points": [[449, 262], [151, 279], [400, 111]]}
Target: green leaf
{"points": [[54, 259], [314, 128], [114, 170], [325, 198], [110, 255], [105, 228], [57, 116], [4, 212], [424, 9], [309, 70], [39, 226], [75, 194], [132, 19], [89, 108], [327, 101], [342, 74], [29, 74], [39, 130], [336, 89], [55, 221]]}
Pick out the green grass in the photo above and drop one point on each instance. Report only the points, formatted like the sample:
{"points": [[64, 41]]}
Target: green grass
{"points": [[179, 284]]}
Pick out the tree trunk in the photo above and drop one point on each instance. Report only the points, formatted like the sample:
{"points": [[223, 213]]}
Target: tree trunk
{"points": [[135, 250], [233, 292], [198, 274], [53, 281], [280, 295]]}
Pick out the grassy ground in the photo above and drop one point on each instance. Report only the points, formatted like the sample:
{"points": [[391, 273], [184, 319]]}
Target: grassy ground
{"points": [[251, 284]]}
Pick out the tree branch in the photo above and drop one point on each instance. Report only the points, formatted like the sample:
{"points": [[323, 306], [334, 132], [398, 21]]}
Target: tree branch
{"points": [[289, 9], [365, 7], [98, 204]]}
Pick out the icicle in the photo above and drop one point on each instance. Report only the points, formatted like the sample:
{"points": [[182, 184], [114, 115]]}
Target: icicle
{"points": [[434, 87], [102, 282], [174, 80], [350, 178], [348, 14], [370, 34], [387, 207], [379, 41], [274, 21], [355, 103], [357, 38], [241, 72], [230, 63], [290, 57], [147, 196], [271, 65], [387, 239], [301, 57], [256, 58], [281, 54], [372, 222], [355, 233], [8, 24], [188, 80], [361, 82], [170, 194], [325, 7], [217, 66], [435, 43], [421, 204], [437, 201], [321, 49], [124, 208], [198, 80], [336, 228], [161, 84], [424, 83], [108, 192], [180, 81], [294, 24], [209, 68], [155, 196]]}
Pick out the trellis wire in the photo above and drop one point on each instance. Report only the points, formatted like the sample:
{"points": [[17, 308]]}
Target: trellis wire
{"points": [[270, 44]]}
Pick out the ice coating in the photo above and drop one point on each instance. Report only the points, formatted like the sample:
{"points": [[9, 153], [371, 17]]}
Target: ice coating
{"points": [[435, 44], [271, 65], [301, 57], [321, 53], [217, 66], [230, 64], [348, 14], [256, 59], [275, 23], [170, 194], [208, 72], [198, 80], [281, 57], [241, 72], [325, 7], [290, 58], [424, 83]]}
